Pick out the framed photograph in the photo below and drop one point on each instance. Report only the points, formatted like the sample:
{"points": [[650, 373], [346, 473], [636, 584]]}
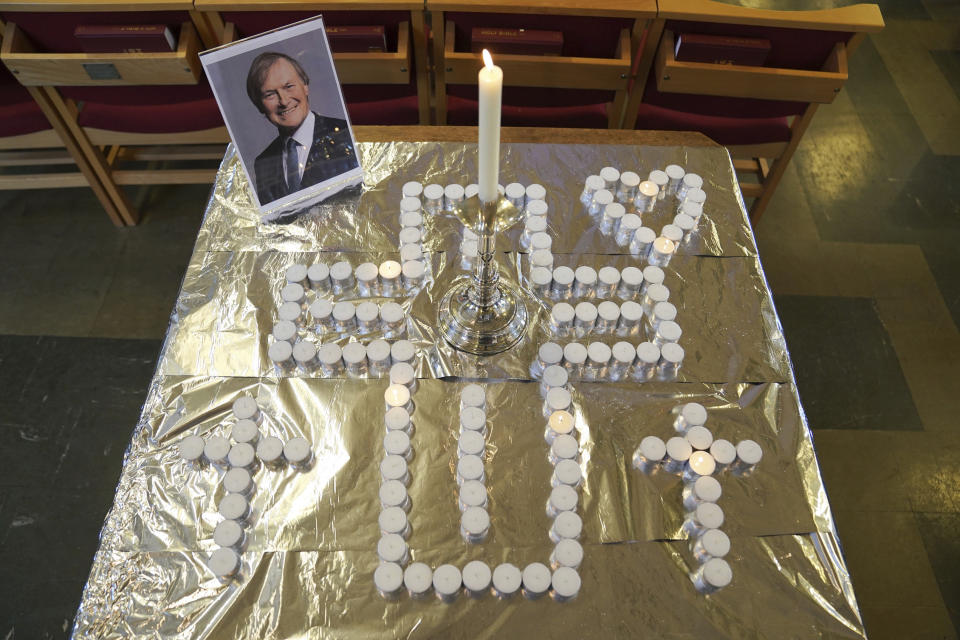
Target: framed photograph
{"points": [[281, 100]]}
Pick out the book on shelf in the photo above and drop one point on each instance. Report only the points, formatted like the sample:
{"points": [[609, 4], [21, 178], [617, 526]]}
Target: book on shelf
{"points": [[125, 38], [357, 39], [529, 42], [698, 47]]}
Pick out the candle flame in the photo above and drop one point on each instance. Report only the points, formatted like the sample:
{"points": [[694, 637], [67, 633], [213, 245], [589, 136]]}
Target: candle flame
{"points": [[487, 60]]}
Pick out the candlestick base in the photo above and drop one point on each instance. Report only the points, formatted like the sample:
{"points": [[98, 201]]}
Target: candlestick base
{"points": [[482, 315], [482, 331]]}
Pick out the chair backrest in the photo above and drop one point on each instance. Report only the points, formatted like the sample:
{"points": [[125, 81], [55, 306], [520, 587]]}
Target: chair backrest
{"points": [[364, 76], [806, 64], [591, 57], [41, 50], [585, 85], [388, 87]]}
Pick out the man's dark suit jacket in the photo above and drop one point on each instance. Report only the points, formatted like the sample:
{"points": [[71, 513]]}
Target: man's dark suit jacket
{"points": [[331, 154]]}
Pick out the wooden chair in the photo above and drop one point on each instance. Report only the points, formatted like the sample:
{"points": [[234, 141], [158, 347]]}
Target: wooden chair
{"points": [[124, 112], [380, 88], [585, 86], [759, 113], [36, 150]]}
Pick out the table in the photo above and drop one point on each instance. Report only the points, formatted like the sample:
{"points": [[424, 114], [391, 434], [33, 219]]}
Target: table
{"points": [[312, 549]]}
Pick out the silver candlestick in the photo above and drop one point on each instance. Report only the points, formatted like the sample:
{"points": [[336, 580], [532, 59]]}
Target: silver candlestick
{"points": [[481, 314]]}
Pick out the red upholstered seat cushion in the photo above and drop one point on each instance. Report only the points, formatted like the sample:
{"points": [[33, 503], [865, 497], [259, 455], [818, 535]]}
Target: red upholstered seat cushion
{"points": [[140, 95], [720, 105], [19, 114], [394, 111], [19, 117], [725, 130], [175, 117], [461, 111]]}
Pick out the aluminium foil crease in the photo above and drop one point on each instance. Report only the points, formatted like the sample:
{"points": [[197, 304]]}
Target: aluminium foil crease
{"points": [[629, 591], [367, 218], [228, 305], [308, 564], [343, 419]]}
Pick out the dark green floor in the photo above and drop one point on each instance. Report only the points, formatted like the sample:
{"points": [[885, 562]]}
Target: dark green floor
{"points": [[860, 248], [859, 244]]}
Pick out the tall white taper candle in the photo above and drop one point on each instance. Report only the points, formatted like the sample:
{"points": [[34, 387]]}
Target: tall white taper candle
{"points": [[490, 81]]}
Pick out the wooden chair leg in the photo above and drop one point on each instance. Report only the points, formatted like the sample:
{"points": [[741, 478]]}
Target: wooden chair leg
{"points": [[779, 167], [93, 155], [438, 33], [49, 110], [647, 50], [420, 58]]}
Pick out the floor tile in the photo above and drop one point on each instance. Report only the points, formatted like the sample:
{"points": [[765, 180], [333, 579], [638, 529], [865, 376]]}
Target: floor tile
{"points": [[903, 9], [887, 559], [941, 254], [861, 470], [929, 352], [929, 467], [885, 622], [42, 610], [949, 64], [28, 455], [833, 341], [58, 383], [50, 550], [942, 9], [904, 47], [939, 533], [930, 198]]}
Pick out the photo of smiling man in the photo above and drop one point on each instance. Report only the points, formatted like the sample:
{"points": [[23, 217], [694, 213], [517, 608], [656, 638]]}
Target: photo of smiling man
{"points": [[309, 147], [283, 105]]}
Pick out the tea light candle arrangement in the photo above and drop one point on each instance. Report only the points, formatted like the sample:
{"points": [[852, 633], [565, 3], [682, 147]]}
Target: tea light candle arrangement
{"points": [[355, 359], [395, 476], [239, 460], [477, 577], [296, 348], [365, 280], [474, 519], [619, 205], [697, 458], [609, 364], [563, 283], [561, 435], [304, 318]]}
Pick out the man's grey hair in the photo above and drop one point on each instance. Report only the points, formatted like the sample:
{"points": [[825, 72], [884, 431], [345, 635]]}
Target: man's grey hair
{"points": [[258, 73]]}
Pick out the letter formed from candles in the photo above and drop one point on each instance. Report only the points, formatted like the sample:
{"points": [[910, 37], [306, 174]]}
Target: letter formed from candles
{"points": [[476, 577], [694, 455], [490, 89], [282, 104]]}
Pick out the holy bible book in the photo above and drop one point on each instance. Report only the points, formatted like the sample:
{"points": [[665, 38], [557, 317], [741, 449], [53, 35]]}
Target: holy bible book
{"points": [[696, 47], [517, 41], [125, 38], [357, 39]]}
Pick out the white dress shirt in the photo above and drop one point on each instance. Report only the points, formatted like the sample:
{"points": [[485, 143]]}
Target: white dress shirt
{"points": [[304, 138]]}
